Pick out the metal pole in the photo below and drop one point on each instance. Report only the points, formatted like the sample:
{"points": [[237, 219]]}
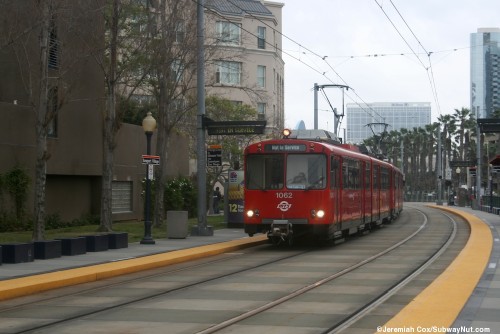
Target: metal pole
{"points": [[148, 239], [202, 228], [491, 189], [478, 167], [316, 88], [439, 168]]}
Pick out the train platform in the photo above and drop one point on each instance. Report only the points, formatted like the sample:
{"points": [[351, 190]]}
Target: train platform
{"points": [[467, 294], [26, 278], [465, 298], [483, 306]]}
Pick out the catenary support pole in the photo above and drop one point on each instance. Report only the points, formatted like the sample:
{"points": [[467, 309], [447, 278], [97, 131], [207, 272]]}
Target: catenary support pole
{"points": [[201, 228]]}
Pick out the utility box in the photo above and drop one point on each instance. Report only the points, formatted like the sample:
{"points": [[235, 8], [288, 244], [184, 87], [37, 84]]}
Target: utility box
{"points": [[177, 224]]}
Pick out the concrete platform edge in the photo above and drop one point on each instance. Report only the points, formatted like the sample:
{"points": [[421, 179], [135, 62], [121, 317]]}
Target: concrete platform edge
{"points": [[440, 303]]}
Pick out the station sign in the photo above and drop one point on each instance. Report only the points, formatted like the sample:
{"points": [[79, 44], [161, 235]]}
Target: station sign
{"points": [[150, 159], [463, 163], [214, 156], [233, 127], [489, 125]]}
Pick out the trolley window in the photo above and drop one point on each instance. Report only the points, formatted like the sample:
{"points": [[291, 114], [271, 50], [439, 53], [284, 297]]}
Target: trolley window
{"points": [[306, 171], [384, 178], [350, 174], [334, 172], [368, 173], [264, 171]]}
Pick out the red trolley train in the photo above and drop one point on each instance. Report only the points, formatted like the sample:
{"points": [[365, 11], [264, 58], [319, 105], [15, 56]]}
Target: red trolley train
{"points": [[308, 184]]}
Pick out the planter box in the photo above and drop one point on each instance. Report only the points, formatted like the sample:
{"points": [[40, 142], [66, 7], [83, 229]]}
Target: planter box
{"points": [[73, 246], [47, 249], [177, 224], [117, 240], [18, 252], [97, 243]]}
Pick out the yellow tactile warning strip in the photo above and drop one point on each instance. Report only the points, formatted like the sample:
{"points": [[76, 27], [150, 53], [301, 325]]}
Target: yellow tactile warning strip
{"points": [[440, 303], [33, 284]]}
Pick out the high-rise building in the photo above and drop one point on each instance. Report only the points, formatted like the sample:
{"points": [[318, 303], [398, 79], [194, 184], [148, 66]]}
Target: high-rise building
{"points": [[485, 71], [365, 120]]}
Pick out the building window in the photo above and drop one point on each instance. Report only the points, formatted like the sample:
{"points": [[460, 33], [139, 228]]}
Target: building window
{"points": [[52, 106], [178, 104], [177, 71], [261, 108], [228, 33], [53, 61], [228, 72], [121, 195], [261, 37], [180, 31], [261, 76]]}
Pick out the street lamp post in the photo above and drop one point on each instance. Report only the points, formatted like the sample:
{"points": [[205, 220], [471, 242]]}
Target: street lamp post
{"points": [[149, 125], [490, 177]]}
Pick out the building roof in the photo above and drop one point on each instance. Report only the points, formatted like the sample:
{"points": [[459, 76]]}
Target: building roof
{"points": [[238, 7]]}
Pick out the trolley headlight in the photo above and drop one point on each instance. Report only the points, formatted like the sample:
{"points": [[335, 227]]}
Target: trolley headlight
{"points": [[252, 213], [317, 213]]}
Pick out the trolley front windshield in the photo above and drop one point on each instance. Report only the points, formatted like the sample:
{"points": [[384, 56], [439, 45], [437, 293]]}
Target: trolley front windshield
{"points": [[293, 171]]}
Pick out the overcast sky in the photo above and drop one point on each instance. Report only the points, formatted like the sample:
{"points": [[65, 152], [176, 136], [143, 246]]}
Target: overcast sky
{"points": [[362, 46]]}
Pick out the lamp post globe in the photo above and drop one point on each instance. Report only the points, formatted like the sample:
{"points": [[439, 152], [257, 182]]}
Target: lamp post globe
{"points": [[148, 125]]}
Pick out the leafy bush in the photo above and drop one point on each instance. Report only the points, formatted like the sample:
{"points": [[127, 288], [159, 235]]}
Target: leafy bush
{"points": [[85, 220], [9, 223], [181, 194], [16, 182]]}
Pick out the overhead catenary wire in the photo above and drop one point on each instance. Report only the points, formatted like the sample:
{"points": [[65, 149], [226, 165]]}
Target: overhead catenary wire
{"points": [[428, 69], [323, 57], [305, 50]]}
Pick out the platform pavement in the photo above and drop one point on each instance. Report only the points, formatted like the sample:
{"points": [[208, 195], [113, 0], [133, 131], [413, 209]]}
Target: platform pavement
{"points": [[483, 307], [134, 250], [466, 297]]}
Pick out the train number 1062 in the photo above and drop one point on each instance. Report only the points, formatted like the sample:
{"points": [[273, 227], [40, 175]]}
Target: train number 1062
{"points": [[284, 195]]}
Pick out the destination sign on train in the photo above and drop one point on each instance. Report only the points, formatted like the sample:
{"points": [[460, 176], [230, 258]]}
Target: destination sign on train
{"points": [[285, 148]]}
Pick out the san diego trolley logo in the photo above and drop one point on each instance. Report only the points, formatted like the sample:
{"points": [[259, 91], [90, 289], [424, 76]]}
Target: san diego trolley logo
{"points": [[284, 206]]}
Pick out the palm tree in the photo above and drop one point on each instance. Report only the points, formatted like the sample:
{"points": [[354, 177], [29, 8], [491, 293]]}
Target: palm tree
{"points": [[431, 130], [463, 117]]}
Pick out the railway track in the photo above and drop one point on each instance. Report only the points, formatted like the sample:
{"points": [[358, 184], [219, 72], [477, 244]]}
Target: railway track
{"points": [[297, 290]]}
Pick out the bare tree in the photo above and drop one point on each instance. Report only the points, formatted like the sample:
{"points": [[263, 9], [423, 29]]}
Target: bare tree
{"points": [[123, 64], [173, 66]]}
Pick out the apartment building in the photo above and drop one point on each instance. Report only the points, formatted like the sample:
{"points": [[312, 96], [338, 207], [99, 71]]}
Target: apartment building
{"points": [[249, 67]]}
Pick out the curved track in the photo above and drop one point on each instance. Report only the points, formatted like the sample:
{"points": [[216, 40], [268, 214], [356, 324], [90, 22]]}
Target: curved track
{"points": [[298, 290]]}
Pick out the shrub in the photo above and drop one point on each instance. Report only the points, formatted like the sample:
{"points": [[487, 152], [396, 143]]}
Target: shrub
{"points": [[181, 194], [16, 182], [9, 223]]}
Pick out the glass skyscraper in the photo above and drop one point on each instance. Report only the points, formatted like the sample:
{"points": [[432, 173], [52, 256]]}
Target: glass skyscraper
{"points": [[485, 71], [365, 120]]}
